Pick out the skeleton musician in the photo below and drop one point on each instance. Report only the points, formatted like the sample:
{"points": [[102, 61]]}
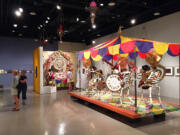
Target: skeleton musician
{"points": [[151, 76], [121, 78]]}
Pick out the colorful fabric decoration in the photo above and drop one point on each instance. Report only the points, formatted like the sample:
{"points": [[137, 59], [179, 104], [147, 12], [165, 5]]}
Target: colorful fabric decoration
{"points": [[174, 48], [113, 50], [80, 56], [115, 57], [132, 55], [87, 55], [108, 57], [128, 47], [97, 58], [103, 51], [142, 55], [160, 48], [94, 53], [144, 46], [124, 55], [125, 46]]}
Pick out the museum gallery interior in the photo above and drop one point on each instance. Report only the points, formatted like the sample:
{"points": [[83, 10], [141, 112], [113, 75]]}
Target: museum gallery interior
{"points": [[90, 67]]}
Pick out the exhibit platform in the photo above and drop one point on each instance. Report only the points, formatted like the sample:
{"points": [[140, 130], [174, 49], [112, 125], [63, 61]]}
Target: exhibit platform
{"points": [[112, 102]]}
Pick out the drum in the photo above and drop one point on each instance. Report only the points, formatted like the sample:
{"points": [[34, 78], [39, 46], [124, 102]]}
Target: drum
{"points": [[113, 82]]}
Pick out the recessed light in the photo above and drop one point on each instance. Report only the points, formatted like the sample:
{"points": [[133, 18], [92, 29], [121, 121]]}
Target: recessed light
{"points": [[118, 15], [20, 10], [77, 19], [18, 13], [93, 42], [46, 21], [15, 25], [20, 34], [13, 31], [25, 26], [133, 21], [48, 18], [89, 30], [46, 40], [94, 26], [111, 4], [32, 13], [156, 14], [36, 40], [58, 7], [66, 31], [39, 28], [83, 21], [41, 25], [98, 35], [101, 4]]}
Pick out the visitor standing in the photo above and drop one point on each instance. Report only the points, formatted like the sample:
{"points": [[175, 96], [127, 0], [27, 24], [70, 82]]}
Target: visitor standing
{"points": [[22, 86], [69, 79], [14, 90]]}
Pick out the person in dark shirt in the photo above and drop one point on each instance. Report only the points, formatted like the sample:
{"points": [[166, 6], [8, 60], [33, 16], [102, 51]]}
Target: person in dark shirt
{"points": [[22, 86]]}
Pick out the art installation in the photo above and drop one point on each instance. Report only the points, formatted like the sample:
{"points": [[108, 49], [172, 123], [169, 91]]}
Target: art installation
{"points": [[55, 66], [93, 9], [112, 91]]}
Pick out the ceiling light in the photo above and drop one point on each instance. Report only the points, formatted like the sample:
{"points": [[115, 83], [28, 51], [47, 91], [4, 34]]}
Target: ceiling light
{"points": [[58, 7], [46, 40], [156, 14], [13, 31], [98, 35], [46, 21], [94, 26], [20, 10], [15, 25], [89, 30], [48, 18], [93, 42], [113, 17], [36, 40], [77, 19], [133, 21], [32, 13], [83, 21], [101, 4], [41, 26], [25, 26], [20, 34], [66, 31], [111, 4], [17, 13]]}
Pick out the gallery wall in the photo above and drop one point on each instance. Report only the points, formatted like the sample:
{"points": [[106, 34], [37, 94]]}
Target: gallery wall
{"points": [[166, 29], [71, 47], [17, 53]]}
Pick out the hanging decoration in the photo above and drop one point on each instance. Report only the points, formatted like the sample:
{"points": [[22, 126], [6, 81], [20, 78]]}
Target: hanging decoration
{"points": [[60, 26], [93, 9], [60, 30]]}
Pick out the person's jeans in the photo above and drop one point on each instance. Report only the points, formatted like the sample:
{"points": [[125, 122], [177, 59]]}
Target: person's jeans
{"points": [[23, 90]]}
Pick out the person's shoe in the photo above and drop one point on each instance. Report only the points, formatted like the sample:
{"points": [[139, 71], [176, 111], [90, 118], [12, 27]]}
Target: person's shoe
{"points": [[15, 109]]}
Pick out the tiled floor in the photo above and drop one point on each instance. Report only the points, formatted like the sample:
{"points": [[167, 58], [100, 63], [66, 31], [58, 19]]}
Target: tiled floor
{"points": [[57, 114]]}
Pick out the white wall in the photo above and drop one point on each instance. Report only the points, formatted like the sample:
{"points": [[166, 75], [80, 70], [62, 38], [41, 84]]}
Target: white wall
{"points": [[166, 29], [71, 47]]}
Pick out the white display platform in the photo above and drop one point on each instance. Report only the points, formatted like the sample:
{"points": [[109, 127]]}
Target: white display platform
{"points": [[49, 89]]}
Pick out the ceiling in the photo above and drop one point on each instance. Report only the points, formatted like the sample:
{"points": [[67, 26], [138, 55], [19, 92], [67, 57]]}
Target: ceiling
{"points": [[108, 18]]}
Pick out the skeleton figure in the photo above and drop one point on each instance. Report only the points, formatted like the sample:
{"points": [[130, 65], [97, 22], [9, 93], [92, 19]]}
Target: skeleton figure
{"points": [[152, 77]]}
